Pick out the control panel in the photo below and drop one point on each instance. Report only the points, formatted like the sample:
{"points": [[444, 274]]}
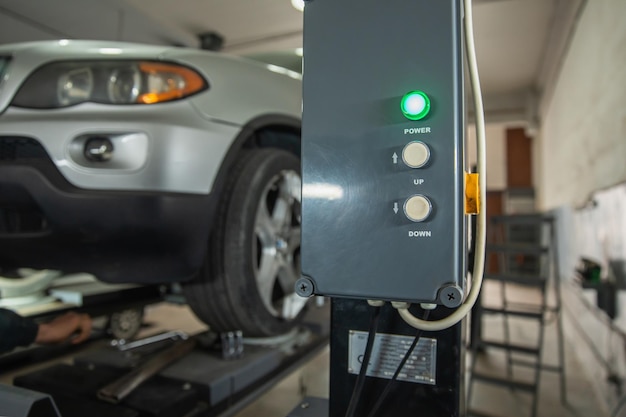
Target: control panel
{"points": [[382, 150]]}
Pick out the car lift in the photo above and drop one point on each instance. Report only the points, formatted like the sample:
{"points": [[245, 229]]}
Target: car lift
{"points": [[167, 375], [120, 304]]}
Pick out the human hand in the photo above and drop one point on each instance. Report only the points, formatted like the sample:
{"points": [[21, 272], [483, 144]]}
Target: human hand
{"points": [[73, 326]]}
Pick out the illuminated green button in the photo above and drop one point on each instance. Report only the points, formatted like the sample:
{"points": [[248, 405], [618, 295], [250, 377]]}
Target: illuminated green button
{"points": [[415, 105]]}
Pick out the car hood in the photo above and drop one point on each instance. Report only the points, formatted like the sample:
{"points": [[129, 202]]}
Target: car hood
{"points": [[82, 49]]}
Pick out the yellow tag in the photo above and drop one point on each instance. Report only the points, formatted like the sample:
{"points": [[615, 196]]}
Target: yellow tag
{"points": [[472, 194]]}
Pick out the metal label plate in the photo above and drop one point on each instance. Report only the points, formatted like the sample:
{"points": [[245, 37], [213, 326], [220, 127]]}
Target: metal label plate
{"points": [[387, 353]]}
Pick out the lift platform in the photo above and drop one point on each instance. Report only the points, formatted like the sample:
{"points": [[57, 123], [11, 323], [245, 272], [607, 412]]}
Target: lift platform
{"points": [[115, 303], [82, 292], [217, 377]]}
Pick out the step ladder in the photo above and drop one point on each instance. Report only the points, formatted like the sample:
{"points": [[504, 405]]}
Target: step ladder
{"points": [[522, 256]]}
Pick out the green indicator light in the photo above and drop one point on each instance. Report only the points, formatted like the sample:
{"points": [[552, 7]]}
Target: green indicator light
{"points": [[415, 105]]}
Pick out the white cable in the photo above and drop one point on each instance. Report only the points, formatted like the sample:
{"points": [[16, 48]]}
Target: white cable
{"points": [[481, 224]]}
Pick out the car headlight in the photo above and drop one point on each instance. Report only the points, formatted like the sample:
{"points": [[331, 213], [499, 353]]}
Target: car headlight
{"points": [[124, 85], [74, 86], [63, 84]]}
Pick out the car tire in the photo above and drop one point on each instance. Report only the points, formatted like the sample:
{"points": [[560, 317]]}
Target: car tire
{"points": [[253, 261]]}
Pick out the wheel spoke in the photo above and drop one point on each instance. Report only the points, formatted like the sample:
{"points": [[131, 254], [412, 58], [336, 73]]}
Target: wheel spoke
{"points": [[264, 226], [281, 214], [288, 193], [294, 185], [266, 278], [287, 277], [292, 305], [293, 238]]}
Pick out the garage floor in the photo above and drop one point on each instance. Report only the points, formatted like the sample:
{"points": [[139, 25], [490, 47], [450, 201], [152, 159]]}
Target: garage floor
{"points": [[312, 379], [506, 403]]}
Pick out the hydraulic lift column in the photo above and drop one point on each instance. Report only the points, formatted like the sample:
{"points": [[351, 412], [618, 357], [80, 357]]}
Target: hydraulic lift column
{"points": [[383, 192]]}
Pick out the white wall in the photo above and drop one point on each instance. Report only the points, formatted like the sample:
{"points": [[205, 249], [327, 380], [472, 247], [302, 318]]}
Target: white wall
{"points": [[581, 149], [582, 143]]}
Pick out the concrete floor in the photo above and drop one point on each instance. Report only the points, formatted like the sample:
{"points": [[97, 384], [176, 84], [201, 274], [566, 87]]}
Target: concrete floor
{"points": [[501, 401], [312, 379]]}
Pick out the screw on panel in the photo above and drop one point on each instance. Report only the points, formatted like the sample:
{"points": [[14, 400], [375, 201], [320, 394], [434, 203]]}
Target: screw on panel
{"points": [[304, 287], [451, 296]]}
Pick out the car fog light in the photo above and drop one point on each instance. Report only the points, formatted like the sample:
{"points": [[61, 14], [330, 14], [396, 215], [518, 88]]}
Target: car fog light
{"points": [[98, 149]]}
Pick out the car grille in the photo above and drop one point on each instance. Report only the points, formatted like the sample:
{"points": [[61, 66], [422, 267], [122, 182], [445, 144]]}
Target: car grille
{"points": [[14, 149]]}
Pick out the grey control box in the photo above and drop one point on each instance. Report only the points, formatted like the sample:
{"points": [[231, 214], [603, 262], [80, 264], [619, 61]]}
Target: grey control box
{"points": [[382, 150]]}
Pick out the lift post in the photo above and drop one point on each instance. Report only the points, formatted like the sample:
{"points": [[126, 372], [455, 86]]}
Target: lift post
{"points": [[383, 214], [430, 384]]}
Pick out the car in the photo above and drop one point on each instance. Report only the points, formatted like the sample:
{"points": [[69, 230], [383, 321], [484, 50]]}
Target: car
{"points": [[155, 165]]}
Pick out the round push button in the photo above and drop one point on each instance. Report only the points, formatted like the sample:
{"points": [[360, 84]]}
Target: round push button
{"points": [[417, 208], [416, 154]]}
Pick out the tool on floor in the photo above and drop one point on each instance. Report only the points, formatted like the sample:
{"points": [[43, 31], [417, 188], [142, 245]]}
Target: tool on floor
{"points": [[121, 388]]}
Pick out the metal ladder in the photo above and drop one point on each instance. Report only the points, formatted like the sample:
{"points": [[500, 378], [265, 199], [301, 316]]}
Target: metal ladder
{"points": [[525, 248]]}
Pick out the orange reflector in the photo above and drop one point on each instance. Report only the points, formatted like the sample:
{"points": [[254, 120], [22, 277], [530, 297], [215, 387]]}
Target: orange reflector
{"points": [[193, 82], [472, 194]]}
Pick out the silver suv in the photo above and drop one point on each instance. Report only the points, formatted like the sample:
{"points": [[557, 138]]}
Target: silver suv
{"points": [[150, 164]]}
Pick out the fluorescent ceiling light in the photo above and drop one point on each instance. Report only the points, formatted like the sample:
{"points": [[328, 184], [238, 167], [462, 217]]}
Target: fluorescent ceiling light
{"points": [[110, 51], [298, 4], [285, 71]]}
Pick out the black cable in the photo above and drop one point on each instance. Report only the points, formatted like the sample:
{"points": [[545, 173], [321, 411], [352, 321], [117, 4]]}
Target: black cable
{"points": [[406, 357], [360, 381]]}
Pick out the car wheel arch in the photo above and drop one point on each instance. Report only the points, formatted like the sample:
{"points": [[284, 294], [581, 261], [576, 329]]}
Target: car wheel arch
{"points": [[267, 131], [253, 134]]}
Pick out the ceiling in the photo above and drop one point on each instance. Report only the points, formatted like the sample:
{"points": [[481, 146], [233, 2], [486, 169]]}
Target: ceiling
{"points": [[520, 43]]}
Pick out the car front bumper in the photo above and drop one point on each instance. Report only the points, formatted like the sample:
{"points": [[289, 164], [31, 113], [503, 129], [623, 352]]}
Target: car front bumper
{"points": [[166, 147], [118, 236], [144, 217]]}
